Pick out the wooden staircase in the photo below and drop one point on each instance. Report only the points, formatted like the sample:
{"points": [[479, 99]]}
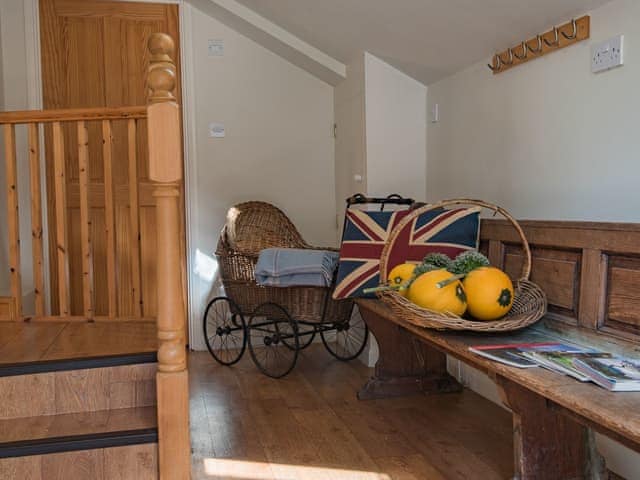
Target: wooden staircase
{"points": [[83, 407], [79, 418]]}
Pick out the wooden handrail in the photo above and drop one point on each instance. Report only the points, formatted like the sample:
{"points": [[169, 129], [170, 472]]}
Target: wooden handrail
{"points": [[72, 115], [165, 170]]}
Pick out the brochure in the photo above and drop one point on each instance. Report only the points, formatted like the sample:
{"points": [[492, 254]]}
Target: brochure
{"points": [[618, 374], [513, 354]]}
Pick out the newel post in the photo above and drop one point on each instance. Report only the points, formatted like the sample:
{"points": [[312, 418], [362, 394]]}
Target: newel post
{"points": [[165, 170]]}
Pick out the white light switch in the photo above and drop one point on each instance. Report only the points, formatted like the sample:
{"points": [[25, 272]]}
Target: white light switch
{"points": [[608, 54], [216, 130]]}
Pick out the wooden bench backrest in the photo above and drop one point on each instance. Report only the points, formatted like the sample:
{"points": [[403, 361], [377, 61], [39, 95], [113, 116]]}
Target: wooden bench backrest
{"points": [[589, 271]]}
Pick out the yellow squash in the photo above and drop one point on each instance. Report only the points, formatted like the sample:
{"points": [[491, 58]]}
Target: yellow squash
{"points": [[425, 293], [489, 293], [401, 274]]}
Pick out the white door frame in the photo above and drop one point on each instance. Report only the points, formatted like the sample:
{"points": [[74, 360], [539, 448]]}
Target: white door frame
{"points": [[34, 88]]}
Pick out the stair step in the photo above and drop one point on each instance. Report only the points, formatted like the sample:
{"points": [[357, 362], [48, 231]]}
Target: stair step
{"points": [[46, 446], [125, 455], [80, 363], [120, 443], [34, 429], [77, 431], [59, 390]]}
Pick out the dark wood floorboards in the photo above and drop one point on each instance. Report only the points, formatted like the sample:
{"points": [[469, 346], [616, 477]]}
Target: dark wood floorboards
{"points": [[37, 341], [309, 425]]}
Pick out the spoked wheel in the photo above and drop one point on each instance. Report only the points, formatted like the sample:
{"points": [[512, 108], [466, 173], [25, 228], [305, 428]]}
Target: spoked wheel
{"points": [[347, 339], [273, 340], [306, 334], [224, 330]]}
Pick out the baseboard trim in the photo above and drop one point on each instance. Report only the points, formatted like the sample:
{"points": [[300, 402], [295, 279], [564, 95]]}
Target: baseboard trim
{"points": [[92, 441], [46, 366]]}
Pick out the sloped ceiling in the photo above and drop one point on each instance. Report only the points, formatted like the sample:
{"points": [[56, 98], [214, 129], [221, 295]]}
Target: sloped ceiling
{"points": [[427, 39]]}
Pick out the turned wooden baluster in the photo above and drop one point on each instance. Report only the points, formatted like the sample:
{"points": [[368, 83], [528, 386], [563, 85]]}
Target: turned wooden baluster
{"points": [[165, 170]]}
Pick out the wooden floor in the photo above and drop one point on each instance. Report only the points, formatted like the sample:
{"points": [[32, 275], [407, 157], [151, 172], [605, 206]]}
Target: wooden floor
{"points": [[36, 341], [309, 425]]}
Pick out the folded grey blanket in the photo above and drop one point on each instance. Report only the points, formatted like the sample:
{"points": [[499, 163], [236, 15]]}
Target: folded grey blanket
{"points": [[292, 267]]}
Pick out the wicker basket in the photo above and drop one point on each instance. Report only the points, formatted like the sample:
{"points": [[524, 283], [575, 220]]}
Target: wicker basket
{"points": [[529, 304], [252, 227]]}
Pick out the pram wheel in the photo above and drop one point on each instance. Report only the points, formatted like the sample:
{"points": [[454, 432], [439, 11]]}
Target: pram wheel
{"points": [[273, 340], [346, 340], [224, 330]]}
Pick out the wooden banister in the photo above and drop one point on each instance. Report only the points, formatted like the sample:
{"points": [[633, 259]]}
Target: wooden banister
{"points": [[36, 218], [165, 170], [85, 220], [13, 216], [61, 126], [62, 247], [109, 216], [72, 115], [134, 217]]}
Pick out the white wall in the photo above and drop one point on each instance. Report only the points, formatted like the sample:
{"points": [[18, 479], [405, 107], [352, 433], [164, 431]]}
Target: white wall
{"points": [[278, 147], [546, 140], [395, 131], [350, 142]]}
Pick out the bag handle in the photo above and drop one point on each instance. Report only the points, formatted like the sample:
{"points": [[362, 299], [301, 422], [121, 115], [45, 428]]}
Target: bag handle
{"points": [[393, 199], [384, 257]]}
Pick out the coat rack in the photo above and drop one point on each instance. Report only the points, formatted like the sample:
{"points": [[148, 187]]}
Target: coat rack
{"points": [[558, 37]]}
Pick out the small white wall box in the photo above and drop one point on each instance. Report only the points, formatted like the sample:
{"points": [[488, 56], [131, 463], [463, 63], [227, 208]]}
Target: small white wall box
{"points": [[608, 54], [216, 130], [216, 48]]}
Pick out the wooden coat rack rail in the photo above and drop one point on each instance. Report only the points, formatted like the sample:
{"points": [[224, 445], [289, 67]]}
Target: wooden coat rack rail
{"points": [[558, 37]]}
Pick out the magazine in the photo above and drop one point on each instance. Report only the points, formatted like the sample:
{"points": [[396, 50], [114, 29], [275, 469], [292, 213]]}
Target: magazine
{"points": [[513, 354], [562, 361], [618, 374]]}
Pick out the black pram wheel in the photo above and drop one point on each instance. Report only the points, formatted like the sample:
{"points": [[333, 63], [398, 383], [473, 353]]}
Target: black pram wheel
{"points": [[224, 330], [346, 340], [273, 340]]}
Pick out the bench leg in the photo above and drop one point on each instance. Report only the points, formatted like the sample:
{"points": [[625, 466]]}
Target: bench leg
{"points": [[547, 445], [405, 366]]}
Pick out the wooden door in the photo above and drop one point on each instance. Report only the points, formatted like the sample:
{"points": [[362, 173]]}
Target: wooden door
{"points": [[94, 55]]}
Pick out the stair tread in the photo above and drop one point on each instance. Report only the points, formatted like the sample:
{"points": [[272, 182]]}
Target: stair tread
{"points": [[77, 424], [23, 342]]}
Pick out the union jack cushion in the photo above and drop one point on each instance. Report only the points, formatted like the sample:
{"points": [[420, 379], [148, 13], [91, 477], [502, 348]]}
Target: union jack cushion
{"points": [[365, 234]]}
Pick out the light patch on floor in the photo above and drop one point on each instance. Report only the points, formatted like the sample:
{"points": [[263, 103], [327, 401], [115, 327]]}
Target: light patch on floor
{"points": [[244, 470]]}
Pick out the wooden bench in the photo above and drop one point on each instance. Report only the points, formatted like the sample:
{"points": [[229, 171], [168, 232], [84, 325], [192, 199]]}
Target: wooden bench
{"points": [[591, 274]]}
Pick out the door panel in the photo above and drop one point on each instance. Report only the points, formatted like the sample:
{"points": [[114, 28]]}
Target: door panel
{"points": [[94, 54]]}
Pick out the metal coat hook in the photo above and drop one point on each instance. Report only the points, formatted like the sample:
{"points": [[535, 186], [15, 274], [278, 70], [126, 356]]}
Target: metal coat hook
{"points": [[538, 49], [574, 33], [510, 61], [556, 39], [524, 52], [498, 64]]}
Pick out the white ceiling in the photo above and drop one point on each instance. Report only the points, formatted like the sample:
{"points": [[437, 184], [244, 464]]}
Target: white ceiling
{"points": [[427, 39]]}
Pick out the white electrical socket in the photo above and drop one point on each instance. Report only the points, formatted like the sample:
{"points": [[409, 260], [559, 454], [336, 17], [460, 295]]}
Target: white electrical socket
{"points": [[608, 54]]}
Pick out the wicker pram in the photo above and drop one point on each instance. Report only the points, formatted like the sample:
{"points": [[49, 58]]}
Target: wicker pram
{"points": [[260, 225], [288, 317]]}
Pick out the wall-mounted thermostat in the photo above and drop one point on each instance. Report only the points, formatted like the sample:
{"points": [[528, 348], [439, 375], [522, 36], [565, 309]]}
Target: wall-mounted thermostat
{"points": [[608, 54]]}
